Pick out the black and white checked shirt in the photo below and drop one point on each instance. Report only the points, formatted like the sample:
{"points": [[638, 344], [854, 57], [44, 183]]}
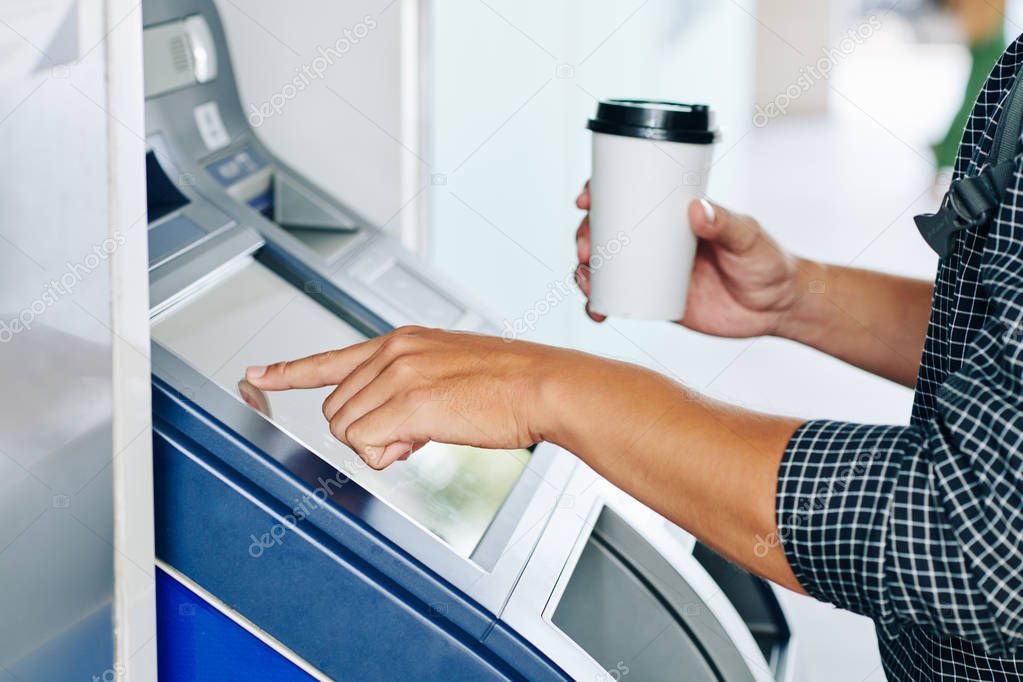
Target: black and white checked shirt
{"points": [[920, 527]]}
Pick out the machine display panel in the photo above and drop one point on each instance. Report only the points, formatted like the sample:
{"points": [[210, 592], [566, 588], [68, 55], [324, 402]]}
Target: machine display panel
{"points": [[252, 316]]}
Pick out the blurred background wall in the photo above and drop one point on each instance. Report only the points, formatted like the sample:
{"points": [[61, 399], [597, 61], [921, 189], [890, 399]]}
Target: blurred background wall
{"points": [[829, 111]]}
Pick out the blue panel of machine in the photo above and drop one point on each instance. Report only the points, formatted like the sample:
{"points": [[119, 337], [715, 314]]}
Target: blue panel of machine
{"points": [[171, 236], [262, 202], [237, 166], [332, 591], [197, 642]]}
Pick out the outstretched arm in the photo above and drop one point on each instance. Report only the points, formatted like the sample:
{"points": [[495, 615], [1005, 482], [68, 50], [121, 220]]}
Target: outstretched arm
{"points": [[706, 466], [911, 525]]}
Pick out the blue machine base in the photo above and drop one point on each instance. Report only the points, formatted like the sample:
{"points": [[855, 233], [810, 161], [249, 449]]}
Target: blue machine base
{"points": [[333, 591], [197, 642]]}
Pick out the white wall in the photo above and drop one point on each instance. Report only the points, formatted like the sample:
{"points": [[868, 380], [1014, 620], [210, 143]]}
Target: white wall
{"points": [[512, 85], [790, 36]]}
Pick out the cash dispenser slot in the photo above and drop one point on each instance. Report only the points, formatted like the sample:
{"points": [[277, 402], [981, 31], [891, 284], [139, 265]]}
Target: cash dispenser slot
{"points": [[631, 611], [292, 203], [162, 195], [755, 602]]}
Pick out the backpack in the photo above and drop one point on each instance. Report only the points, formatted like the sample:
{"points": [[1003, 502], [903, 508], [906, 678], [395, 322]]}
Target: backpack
{"points": [[972, 201]]}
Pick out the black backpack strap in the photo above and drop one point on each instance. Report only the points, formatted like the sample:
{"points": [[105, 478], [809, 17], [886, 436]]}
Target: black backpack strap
{"points": [[971, 202]]}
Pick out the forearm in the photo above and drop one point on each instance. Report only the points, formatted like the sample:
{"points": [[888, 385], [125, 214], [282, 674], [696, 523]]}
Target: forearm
{"points": [[869, 319], [710, 468]]}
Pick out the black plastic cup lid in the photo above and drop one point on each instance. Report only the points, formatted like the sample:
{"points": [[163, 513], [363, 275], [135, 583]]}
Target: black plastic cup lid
{"points": [[655, 120]]}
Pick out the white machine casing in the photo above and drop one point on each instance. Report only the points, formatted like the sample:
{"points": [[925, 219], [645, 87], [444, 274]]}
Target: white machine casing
{"points": [[266, 215]]}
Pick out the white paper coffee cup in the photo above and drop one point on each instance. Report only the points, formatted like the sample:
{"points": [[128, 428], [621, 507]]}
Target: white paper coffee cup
{"points": [[650, 160]]}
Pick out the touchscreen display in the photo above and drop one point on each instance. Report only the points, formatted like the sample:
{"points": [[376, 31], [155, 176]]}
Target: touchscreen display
{"points": [[254, 317]]}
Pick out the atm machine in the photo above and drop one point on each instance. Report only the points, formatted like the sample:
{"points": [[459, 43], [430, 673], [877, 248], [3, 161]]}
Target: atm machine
{"points": [[280, 555]]}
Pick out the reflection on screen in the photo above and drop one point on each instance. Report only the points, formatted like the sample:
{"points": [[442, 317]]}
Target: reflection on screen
{"points": [[254, 398], [255, 317]]}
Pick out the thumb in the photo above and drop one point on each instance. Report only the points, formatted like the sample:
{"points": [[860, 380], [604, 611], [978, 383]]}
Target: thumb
{"points": [[734, 232]]}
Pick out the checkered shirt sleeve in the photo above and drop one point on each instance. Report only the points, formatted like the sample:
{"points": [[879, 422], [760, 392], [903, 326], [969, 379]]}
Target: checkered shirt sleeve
{"points": [[920, 526]]}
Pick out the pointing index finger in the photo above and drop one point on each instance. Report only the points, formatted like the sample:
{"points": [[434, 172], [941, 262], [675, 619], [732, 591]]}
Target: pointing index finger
{"points": [[314, 371]]}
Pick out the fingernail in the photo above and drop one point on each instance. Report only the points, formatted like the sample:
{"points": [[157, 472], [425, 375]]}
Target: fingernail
{"points": [[372, 453], [708, 210], [255, 371], [397, 451]]}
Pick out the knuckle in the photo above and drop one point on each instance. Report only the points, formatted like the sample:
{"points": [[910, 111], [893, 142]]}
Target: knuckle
{"points": [[403, 367], [338, 430], [279, 368], [353, 435], [418, 396], [326, 360], [342, 419], [330, 406], [748, 232], [397, 344]]}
